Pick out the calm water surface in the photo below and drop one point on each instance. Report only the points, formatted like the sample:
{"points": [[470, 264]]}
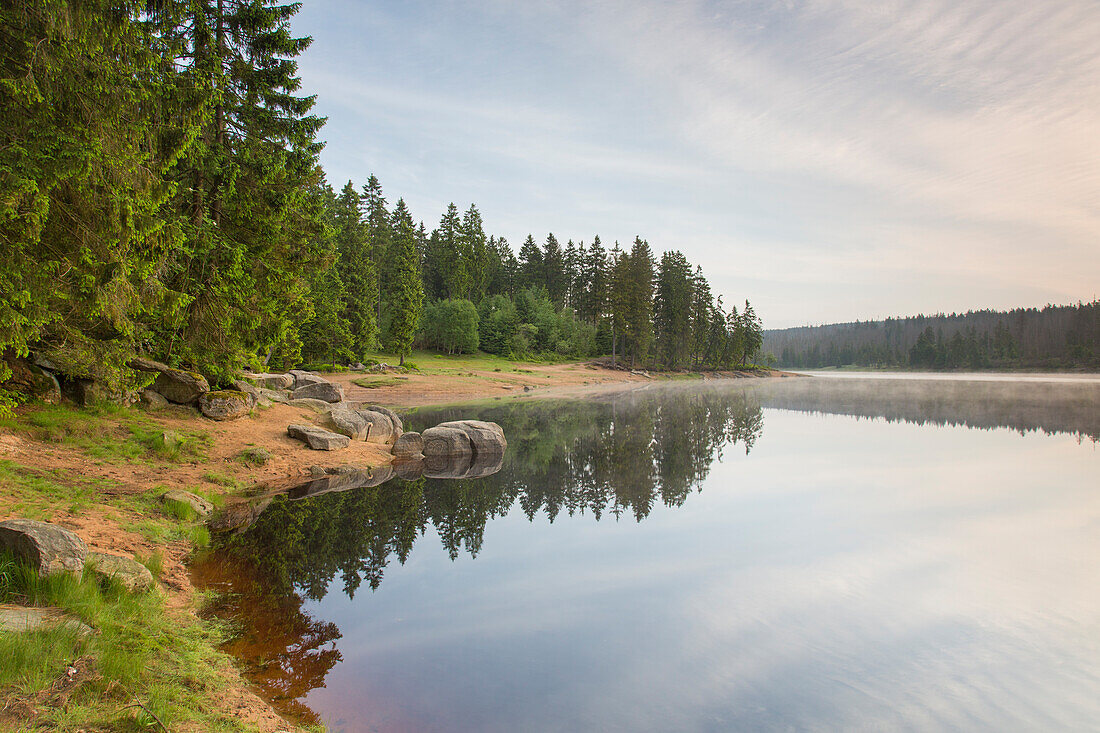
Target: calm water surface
{"points": [[800, 554]]}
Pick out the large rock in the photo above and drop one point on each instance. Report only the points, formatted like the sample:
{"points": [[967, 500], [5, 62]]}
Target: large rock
{"points": [[446, 441], [485, 437], [153, 400], [302, 378], [84, 392], [318, 438], [132, 575], [179, 386], [199, 505], [46, 547], [324, 391], [349, 423], [381, 428], [318, 406], [143, 364], [31, 379], [408, 445], [225, 404], [272, 381], [249, 389], [273, 395], [21, 619], [398, 426]]}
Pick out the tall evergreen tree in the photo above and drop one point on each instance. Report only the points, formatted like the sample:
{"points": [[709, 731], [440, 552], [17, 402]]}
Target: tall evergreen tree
{"points": [[553, 271], [357, 272], [531, 272], [672, 310], [377, 221], [475, 255], [408, 292]]}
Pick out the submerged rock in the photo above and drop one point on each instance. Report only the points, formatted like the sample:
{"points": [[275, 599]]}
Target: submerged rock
{"points": [[325, 391], [225, 404], [318, 438], [133, 576], [48, 548]]}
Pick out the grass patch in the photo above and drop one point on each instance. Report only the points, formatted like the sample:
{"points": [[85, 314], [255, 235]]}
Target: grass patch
{"points": [[254, 456], [141, 654], [221, 479], [109, 433]]}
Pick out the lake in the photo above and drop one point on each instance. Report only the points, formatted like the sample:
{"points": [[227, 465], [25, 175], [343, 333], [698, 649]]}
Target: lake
{"points": [[890, 553]]}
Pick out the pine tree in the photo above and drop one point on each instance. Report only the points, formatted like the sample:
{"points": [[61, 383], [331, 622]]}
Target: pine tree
{"points": [[408, 292], [553, 270], [451, 262], [672, 310], [377, 221], [357, 272], [474, 254], [531, 273]]}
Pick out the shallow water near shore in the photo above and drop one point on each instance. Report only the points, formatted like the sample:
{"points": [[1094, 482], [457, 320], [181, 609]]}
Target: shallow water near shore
{"points": [[797, 554]]}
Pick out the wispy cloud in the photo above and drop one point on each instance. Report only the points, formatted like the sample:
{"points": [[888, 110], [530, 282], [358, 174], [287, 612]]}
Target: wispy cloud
{"points": [[829, 142]]}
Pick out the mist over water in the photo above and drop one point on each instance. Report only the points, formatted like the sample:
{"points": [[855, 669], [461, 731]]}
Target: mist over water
{"points": [[806, 554]]}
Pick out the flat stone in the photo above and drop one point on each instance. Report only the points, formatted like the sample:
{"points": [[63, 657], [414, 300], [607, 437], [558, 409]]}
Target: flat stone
{"points": [[249, 389], [273, 395], [48, 548], [349, 423], [21, 619], [201, 506], [133, 576], [408, 445], [318, 438], [179, 386], [325, 391], [272, 381], [319, 406], [302, 378], [225, 404]]}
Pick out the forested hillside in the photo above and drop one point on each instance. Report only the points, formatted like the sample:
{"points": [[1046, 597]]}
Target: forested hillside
{"points": [[160, 194], [1053, 337]]}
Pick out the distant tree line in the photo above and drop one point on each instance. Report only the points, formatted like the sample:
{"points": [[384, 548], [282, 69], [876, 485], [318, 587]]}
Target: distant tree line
{"points": [[393, 285], [160, 194], [1052, 337]]}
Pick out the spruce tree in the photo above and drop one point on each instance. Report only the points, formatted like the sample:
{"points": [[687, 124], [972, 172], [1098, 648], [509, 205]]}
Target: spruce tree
{"points": [[475, 254], [377, 221], [553, 270], [407, 292], [531, 273], [357, 272]]}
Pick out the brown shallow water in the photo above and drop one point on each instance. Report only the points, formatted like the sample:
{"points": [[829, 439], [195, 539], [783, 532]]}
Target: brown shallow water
{"points": [[763, 555]]}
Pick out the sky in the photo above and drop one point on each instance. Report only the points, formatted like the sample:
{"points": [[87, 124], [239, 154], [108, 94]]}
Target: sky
{"points": [[829, 160]]}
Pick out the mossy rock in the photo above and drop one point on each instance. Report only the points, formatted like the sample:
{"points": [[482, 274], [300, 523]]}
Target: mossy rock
{"points": [[225, 404]]}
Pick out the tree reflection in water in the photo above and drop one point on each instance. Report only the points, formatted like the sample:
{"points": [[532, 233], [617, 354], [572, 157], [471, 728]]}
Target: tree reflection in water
{"points": [[616, 456]]}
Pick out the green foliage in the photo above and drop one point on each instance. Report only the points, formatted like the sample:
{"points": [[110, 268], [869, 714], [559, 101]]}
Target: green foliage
{"points": [[407, 291], [451, 326]]}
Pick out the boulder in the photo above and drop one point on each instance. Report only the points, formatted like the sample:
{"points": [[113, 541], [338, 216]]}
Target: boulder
{"points": [[273, 395], [132, 575], [485, 437], [319, 406], [225, 404], [318, 438], [349, 423], [153, 400], [302, 378], [408, 445], [251, 390], [84, 392], [324, 391], [199, 505], [179, 386], [272, 381], [446, 441], [142, 364], [398, 426], [17, 619], [381, 429], [31, 379], [46, 547]]}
